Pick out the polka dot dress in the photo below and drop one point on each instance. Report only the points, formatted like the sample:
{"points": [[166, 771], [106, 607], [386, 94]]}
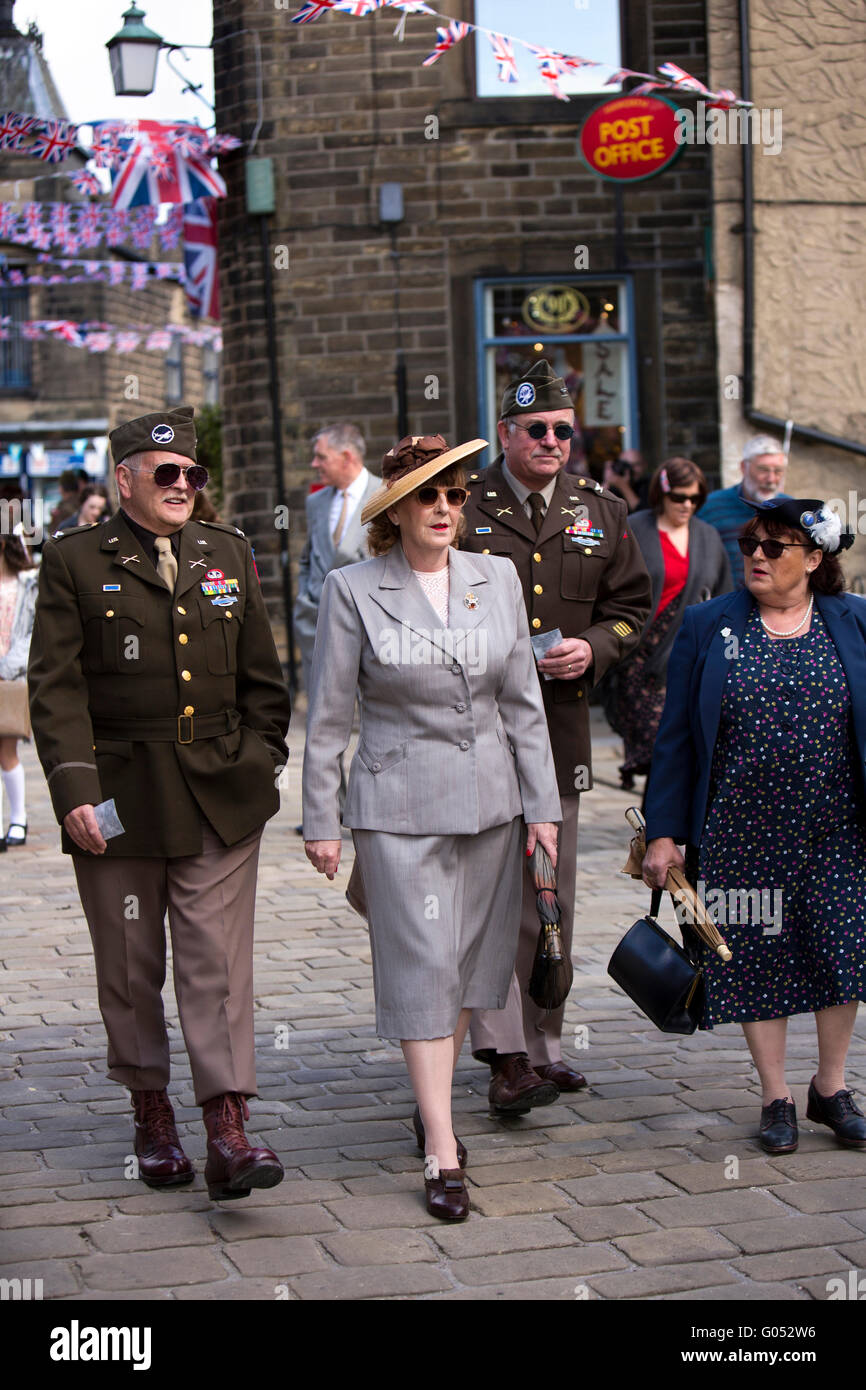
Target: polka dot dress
{"points": [[783, 854]]}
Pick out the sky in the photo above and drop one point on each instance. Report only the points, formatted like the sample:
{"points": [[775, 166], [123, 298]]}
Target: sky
{"points": [[588, 28], [75, 34]]}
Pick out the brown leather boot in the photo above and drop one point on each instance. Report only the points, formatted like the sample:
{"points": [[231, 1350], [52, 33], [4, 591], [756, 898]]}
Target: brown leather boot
{"points": [[161, 1160], [233, 1165], [515, 1087]]}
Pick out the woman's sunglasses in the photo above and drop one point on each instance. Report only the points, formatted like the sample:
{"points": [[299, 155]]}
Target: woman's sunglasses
{"points": [[167, 474], [681, 497], [429, 496], [537, 430], [772, 549]]}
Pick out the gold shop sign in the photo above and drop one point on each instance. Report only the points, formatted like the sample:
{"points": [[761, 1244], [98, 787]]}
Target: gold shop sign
{"points": [[555, 308]]}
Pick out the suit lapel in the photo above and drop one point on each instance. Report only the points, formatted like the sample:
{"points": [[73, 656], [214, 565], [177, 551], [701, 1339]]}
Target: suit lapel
{"points": [[128, 553], [725, 639], [469, 594], [501, 504], [193, 562], [324, 539], [400, 595]]}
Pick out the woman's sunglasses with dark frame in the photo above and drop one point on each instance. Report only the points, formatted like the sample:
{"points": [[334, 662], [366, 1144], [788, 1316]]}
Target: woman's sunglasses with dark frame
{"points": [[772, 549], [429, 496], [538, 430], [682, 497], [167, 474]]}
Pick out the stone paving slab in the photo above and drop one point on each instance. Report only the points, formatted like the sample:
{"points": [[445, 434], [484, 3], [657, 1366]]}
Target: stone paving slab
{"points": [[649, 1186]]}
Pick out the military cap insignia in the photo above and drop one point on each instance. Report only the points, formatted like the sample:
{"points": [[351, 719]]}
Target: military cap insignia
{"points": [[162, 434], [525, 393]]}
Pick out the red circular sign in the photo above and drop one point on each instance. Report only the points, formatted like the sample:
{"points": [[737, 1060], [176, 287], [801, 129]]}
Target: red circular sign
{"points": [[630, 138]]}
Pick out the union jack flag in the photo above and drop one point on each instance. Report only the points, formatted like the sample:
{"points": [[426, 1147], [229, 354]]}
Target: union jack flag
{"points": [[358, 8], [409, 6], [137, 183], [116, 273], [140, 275], [680, 78], [551, 65], [86, 182], [200, 258], [188, 140], [115, 226], [171, 231], [8, 222], [54, 141], [31, 330], [98, 342], [13, 128], [140, 224], [619, 76], [65, 329], [89, 227], [446, 38], [106, 149], [221, 144], [503, 52], [158, 341], [313, 9], [127, 341]]}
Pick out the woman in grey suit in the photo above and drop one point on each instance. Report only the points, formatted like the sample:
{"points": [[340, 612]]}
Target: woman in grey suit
{"points": [[453, 756]]}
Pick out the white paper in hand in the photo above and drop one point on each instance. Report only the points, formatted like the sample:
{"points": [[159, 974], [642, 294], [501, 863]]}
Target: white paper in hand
{"points": [[108, 820]]}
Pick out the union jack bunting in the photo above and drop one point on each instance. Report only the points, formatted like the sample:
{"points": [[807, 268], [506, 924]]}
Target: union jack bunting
{"points": [[551, 65], [409, 6], [13, 128], [90, 221], [86, 182], [54, 141], [116, 273], [158, 341], [8, 222], [140, 227], [221, 144], [200, 258], [503, 52], [619, 76], [107, 151], [140, 275], [115, 227], [98, 342], [127, 341], [447, 38], [138, 183], [188, 140], [680, 78], [171, 231], [313, 9]]}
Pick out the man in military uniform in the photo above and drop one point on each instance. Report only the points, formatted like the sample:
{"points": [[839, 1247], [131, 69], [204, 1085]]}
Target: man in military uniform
{"points": [[155, 684], [583, 574]]}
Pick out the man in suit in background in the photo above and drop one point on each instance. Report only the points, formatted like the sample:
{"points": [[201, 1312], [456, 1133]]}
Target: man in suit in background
{"points": [[584, 578], [335, 536]]}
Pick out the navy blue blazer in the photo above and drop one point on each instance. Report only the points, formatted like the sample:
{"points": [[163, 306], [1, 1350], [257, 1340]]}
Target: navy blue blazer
{"points": [[679, 783]]}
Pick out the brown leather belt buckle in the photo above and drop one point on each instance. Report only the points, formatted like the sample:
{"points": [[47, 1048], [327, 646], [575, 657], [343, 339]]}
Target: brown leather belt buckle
{"points": [[183, 719]]}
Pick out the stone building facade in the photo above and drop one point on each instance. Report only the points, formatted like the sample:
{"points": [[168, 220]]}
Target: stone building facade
{"points": [[498, 206]]}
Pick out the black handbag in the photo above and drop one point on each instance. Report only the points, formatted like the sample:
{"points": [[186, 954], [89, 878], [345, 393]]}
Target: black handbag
{"points": [[664, 979]]}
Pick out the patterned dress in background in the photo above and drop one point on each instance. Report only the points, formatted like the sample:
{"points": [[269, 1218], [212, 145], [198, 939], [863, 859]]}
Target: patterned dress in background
{"points": [[787, 816]]}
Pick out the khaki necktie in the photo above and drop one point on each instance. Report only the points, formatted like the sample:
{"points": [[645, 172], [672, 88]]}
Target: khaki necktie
{"points": [[166, 564], [536, 502], [338, 529]]}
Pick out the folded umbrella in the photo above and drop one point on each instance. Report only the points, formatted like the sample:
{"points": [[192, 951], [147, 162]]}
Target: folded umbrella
{"points": [[677, 885], [552, 971]]}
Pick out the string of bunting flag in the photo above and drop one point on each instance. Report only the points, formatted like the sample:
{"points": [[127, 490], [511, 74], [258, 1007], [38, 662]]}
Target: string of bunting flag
{"points": [[72, 226], [100, 337], [149, 161], [552, 64], [135, 275]]}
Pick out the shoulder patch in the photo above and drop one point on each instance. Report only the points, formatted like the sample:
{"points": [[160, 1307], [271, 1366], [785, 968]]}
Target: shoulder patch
{"points": [[72, 531]]}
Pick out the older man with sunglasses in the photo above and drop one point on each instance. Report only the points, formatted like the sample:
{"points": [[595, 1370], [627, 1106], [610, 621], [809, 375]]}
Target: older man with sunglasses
{"points": [[584, 579], [155, 687]]}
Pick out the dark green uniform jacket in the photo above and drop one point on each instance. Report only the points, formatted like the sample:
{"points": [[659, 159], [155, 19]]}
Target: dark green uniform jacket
{"points": [[583, 573], [174, 705]]}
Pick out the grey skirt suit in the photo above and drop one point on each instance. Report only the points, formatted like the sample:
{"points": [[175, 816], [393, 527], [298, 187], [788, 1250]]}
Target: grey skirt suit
{"points": [[453, 755]]}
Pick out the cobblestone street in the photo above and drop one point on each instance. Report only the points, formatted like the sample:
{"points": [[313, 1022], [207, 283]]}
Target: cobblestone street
{"points": [[628, 1191]]}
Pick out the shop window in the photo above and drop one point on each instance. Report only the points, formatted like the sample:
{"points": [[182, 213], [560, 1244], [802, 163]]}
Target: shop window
{"points": [[583, 28], [15, 354], [585, 330], [211, 376], [174, 371]]}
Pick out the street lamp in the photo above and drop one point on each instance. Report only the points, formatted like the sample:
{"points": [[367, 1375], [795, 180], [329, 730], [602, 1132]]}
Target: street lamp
{"points": [[133, 52]]}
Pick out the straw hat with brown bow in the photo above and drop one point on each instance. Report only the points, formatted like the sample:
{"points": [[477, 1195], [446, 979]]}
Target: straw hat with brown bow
{"points": [[411, 463]]}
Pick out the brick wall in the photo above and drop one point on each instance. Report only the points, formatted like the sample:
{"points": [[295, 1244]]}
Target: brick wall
{"points": [[501, 191]]}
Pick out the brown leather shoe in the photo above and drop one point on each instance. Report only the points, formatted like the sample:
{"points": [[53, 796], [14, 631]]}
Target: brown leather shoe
{"points": [[233, 1165], [161, 1160], [564, 1078], [420, 1136], [447, 1197], [515, 1087]]}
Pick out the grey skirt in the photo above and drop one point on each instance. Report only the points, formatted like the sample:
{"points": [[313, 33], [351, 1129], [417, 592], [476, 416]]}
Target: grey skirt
{"points": [[444, 917]]}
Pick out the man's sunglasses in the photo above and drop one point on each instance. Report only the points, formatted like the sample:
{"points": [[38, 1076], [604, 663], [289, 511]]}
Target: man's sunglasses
{"points": [[682, 497], [167, 474], [537, 430], [772, 549], [429, 496]]}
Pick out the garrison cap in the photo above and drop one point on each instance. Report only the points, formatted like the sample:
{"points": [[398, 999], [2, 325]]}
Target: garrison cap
{"points": [[539, 389], [169, 431]]}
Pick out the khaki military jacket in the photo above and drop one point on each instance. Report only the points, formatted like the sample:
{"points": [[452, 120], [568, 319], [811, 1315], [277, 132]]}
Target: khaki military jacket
{"points": [[174, 705], [583, 574]]}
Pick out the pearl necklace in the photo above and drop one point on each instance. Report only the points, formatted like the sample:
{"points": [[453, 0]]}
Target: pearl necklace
{"points": [[790, 633]]}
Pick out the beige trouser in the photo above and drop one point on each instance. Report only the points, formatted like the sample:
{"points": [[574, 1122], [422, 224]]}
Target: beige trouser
{"points": [[210, 900], [522, 1026]]}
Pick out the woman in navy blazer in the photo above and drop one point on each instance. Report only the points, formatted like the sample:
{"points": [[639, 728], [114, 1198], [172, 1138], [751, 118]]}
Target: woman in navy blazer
{"points": [[759, 766]]}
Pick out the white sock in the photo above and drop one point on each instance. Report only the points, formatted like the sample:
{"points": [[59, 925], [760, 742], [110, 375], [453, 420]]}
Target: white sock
{"points": [[14, 784]]}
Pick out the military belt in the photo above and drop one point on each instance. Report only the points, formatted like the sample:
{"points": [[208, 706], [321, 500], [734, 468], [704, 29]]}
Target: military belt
{"points": [[181, 728]]}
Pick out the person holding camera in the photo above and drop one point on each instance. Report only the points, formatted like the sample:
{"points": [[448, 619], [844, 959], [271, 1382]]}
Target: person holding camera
{"points": [[625, 476]]}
